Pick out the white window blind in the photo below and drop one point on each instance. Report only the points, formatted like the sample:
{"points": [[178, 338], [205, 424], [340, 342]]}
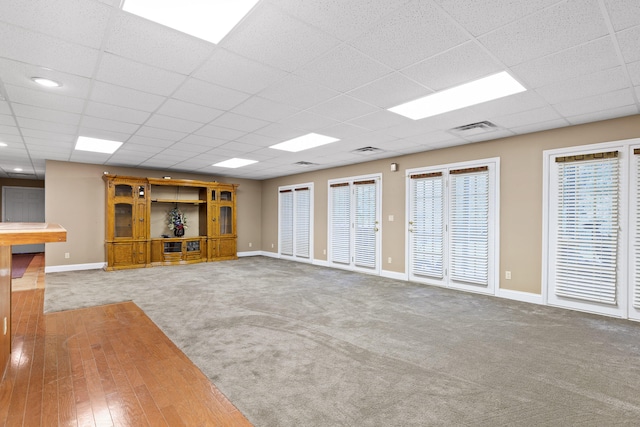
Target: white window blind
{"points": [[427, 224], [302, 221], [469, 225], [365, 223], [587, 227], [340, 223], [286, 222]]}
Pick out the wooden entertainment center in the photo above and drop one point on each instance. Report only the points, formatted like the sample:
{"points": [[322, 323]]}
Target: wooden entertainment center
{"points": [[137, 221]]}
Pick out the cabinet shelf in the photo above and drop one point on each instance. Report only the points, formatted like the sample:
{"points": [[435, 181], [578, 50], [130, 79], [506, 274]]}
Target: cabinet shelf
{"points": [[187, 202]]}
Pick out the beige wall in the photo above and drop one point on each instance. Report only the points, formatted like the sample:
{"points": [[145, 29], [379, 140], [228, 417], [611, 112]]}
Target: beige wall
{"points": [[520, 195], [75, 198]]}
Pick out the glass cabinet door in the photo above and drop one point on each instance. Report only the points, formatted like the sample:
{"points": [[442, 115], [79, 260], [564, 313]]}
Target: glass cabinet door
{"points": [[226, 220], [123, 220], [123, 190]]}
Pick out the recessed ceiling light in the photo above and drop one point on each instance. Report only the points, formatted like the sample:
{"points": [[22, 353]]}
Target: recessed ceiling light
{"points": [[17, 169], [208, 20], [42, 81], [96, 145], [2, 144], [304, 142], [486, 89], [235, 163]]}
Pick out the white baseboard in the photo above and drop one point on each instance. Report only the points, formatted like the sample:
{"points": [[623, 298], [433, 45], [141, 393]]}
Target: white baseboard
{"points": [[270, 254], [520, 296], [321, 262], [393, 275], [74, 267], [249, 253]]}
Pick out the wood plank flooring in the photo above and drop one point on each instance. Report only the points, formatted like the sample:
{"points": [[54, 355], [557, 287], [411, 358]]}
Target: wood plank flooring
{"points": [[102, 366]]}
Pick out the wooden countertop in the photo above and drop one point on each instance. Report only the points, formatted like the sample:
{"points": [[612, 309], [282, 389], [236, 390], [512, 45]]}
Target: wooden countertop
{"points": [[23, 233]]}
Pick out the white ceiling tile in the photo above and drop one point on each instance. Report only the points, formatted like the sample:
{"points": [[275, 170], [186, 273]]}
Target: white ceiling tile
{"points": [[274, 38], [580, 60], [279, 132], [343, 69], [297, 92], [209, 95], [527, 118], [540, 126], [12, 139], [39, 98], [204, 141], [409, 35], [390, 91], [628, 41], [556, 28], [149, 141], [54, 137], [240, 147], [604, 114], [114, 112], [459, 65], [125, 72], [432, 139], [581, 87], [44, 51], [112, 135], [623, 13], [227, 69], [139, 149], [7, 120], [41, 144], [597, 103], [479, 17], [117, 95], [109, 125], [239, 122], [343, 19], [497, 134], [380, 120], [76, 21], [343, 108], [188, 111], [522, 101], [167, 134], [220, 132], [258, 140], [308, 121], [9, 130], [46, 114], [47, 126], [344, 130], [4, 107], [264, 109], [170, 49], [190, 148], [19, 74], [172, 123], [175, 155], [634, 71]]}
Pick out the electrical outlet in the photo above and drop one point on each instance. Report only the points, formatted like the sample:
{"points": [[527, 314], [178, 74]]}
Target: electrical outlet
{"points": [[507, 275], [391, 218], [324, 252], [389, 260], [250, 244], [66, 255], [273, 245]]}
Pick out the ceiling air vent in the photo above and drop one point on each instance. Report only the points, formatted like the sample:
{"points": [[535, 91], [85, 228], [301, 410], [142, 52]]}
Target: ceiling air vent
{"points": [[305, 164], [367, 150], [21, 175], [474, 128]]}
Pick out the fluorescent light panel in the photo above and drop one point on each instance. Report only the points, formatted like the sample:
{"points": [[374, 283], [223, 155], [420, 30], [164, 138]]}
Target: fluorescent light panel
{"points": [[235, 163], [207, 20], [304, 142], [96, 145], [486, 89], [42, 81]]}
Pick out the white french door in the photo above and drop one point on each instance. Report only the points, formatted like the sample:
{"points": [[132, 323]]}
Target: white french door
{"points": [[354, 219], [295, 222], [453, 225], [592, 228]]}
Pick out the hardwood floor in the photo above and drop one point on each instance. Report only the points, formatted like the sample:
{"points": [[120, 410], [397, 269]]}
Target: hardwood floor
{"points": [[102, 366]]}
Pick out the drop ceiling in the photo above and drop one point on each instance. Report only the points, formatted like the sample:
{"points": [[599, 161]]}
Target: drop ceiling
{"points": [[292, 67]]}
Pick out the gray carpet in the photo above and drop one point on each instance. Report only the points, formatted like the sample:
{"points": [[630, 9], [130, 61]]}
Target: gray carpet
{"points": [[292, 344]]}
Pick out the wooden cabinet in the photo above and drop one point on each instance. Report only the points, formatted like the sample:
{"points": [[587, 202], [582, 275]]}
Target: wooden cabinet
{"points": [[137, 221]]}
